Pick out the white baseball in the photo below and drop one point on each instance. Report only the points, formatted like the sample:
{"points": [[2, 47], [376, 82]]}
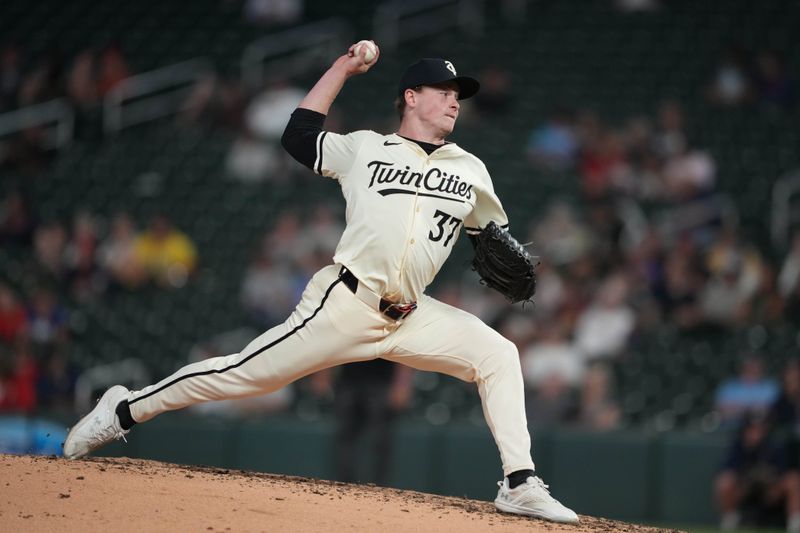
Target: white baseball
{"points": [[370, 50]]}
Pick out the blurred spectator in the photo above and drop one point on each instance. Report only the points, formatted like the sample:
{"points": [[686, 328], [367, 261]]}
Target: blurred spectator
{"points": [[268, 113], [289, 254], [736, 276], [729, 249], [604, 168], [642, 178], [49, 242], [10, 77], [552, 356], [55, 385], [117, 254], [583, 276], [45, 81], [322, 233], [215, 102], [281, 242], [13, 318], [167, 255], [723, 301], [82, 86], [560, 235], [7, 396], [47, 322], [250, 160], [554, 144], [755, 482], [17, 220], [598, 411], [603, 329], [368, 396], [309, 263], [669, 139], [112, 69], [767, 306], [775, 87], [25, 152], [588, 128], [550, 289], [604, 216], [730, 84], [494, 98], [553, 402], [552, 369], [678, 291], [18, 379], [689, 174], [789, 280], [647, 179], [79, 256], [749, 391], [273, 12], [645, 260], [267, 292], [638, 138], [784, 413]]}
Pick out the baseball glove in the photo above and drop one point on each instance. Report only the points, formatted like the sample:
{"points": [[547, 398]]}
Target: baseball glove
{"points": [[503, 264]]}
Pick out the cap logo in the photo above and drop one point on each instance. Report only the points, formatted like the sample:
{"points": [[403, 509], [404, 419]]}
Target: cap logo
{"points": [[450, 67]]}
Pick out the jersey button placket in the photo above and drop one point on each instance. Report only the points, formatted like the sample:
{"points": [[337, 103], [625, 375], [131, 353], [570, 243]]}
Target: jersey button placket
{"points": [[418, 209]]}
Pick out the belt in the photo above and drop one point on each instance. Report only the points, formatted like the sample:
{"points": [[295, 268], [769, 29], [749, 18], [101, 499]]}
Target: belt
{"points": [[392, 310]]}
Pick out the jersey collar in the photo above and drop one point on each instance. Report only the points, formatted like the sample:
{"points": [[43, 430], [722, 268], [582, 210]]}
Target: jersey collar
{"points": [[449, 149]]}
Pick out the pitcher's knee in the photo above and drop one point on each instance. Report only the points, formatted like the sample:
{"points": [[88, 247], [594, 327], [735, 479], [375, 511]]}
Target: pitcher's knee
{"points": [[511, 354], [505, 358]]}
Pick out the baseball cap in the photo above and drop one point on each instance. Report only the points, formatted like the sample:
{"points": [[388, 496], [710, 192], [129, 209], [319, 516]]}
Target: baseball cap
{"points": [[432, 71]]}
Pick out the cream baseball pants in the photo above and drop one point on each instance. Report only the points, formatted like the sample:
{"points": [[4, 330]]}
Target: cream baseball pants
{"points": [[331, 326]]}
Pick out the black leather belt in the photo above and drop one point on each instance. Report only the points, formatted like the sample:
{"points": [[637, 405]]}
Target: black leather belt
{"points": [[392, 310]]}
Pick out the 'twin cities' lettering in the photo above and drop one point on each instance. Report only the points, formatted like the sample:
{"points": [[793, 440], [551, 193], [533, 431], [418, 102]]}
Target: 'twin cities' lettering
{"points": [[433, 180]]}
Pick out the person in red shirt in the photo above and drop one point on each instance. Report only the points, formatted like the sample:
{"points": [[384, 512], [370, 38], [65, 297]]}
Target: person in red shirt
{"points": [[18, 387], [13, 319]]}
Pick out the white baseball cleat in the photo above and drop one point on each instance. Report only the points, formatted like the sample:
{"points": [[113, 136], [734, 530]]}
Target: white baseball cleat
{"points": [[99, 427], [532, 499]]}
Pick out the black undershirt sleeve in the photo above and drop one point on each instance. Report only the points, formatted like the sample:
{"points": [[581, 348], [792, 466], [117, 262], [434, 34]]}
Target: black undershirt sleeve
{"points": [[300, 136]]}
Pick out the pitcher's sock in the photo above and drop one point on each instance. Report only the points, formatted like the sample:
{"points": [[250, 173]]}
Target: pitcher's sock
{"points": [[515, 479], [126, 420]]}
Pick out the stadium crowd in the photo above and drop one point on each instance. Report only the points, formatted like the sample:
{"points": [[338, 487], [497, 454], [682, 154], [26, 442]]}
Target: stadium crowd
{"points": [[610, 275]]}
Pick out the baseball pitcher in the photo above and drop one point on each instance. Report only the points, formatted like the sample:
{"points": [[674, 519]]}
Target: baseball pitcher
{"points": [[408, 195]]}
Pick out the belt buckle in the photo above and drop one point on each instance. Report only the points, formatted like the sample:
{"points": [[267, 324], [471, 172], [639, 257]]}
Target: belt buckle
{"points": [[403, 309]]}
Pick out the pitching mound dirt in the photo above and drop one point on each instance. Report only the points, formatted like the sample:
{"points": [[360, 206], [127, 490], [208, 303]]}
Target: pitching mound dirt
{"points": [[120, 495]]}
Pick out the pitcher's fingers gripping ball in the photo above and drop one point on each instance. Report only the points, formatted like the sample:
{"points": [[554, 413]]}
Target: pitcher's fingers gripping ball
{"points": [[367, 50]]}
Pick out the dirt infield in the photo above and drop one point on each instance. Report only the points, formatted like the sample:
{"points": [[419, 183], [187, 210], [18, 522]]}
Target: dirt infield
{"points": [[53, 495]]}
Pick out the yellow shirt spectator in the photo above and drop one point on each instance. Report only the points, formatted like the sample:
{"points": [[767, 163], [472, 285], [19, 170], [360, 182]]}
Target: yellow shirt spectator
{"points": [[167, 254]]}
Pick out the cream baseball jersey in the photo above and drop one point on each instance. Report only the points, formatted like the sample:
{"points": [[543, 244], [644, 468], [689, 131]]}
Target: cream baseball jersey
{"points": [[405, 208]]}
